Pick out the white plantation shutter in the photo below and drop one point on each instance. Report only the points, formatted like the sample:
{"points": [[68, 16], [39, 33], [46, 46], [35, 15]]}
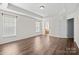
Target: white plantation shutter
{"points": [[9, 25]]}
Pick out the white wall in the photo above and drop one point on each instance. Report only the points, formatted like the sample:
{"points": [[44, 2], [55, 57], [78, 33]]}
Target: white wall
{"points": [[25, 27], [58, 26], [0, 27], [76, 30]]}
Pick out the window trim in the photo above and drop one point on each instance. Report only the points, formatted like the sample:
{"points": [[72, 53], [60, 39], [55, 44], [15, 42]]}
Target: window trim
{"points": [[10, 35]]}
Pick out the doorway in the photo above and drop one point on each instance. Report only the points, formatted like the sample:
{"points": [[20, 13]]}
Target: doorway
{"points": [[70, 28], [70, 33]]}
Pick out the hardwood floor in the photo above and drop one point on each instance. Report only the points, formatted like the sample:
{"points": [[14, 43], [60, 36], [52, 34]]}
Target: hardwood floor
{"points": [[40, 45]]}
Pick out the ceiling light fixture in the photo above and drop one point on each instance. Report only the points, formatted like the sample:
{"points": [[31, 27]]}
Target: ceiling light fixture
{"points": [[42, 7]]}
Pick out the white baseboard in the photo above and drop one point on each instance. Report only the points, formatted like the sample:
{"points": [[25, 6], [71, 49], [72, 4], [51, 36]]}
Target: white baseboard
{"points": [[59, 36], [15, 38]]}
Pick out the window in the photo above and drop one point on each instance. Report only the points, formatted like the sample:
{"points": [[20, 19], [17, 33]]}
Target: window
{"points": [[9, 25], [37, 26]]}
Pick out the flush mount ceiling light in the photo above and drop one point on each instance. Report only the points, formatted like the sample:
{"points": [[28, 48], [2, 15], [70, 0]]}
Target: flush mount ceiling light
{"points": [[42, 7]]}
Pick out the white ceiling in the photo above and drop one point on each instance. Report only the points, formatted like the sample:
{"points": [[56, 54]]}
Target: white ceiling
{"points": [[51, 9]]}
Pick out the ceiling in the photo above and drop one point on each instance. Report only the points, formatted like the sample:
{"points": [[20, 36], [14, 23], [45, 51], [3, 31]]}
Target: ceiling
{"points": [[50, 9]]}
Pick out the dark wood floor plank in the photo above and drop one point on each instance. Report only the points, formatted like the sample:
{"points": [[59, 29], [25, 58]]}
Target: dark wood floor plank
{"points": [[39, 45]]}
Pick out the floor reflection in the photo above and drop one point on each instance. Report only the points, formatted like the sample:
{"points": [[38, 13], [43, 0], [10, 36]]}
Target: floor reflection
{"points": [[47, 41], [10, 49], [37, 45], [41, 44]]}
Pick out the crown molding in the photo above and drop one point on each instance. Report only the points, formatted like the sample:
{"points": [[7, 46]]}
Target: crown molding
{"points": [[19, 11]]}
